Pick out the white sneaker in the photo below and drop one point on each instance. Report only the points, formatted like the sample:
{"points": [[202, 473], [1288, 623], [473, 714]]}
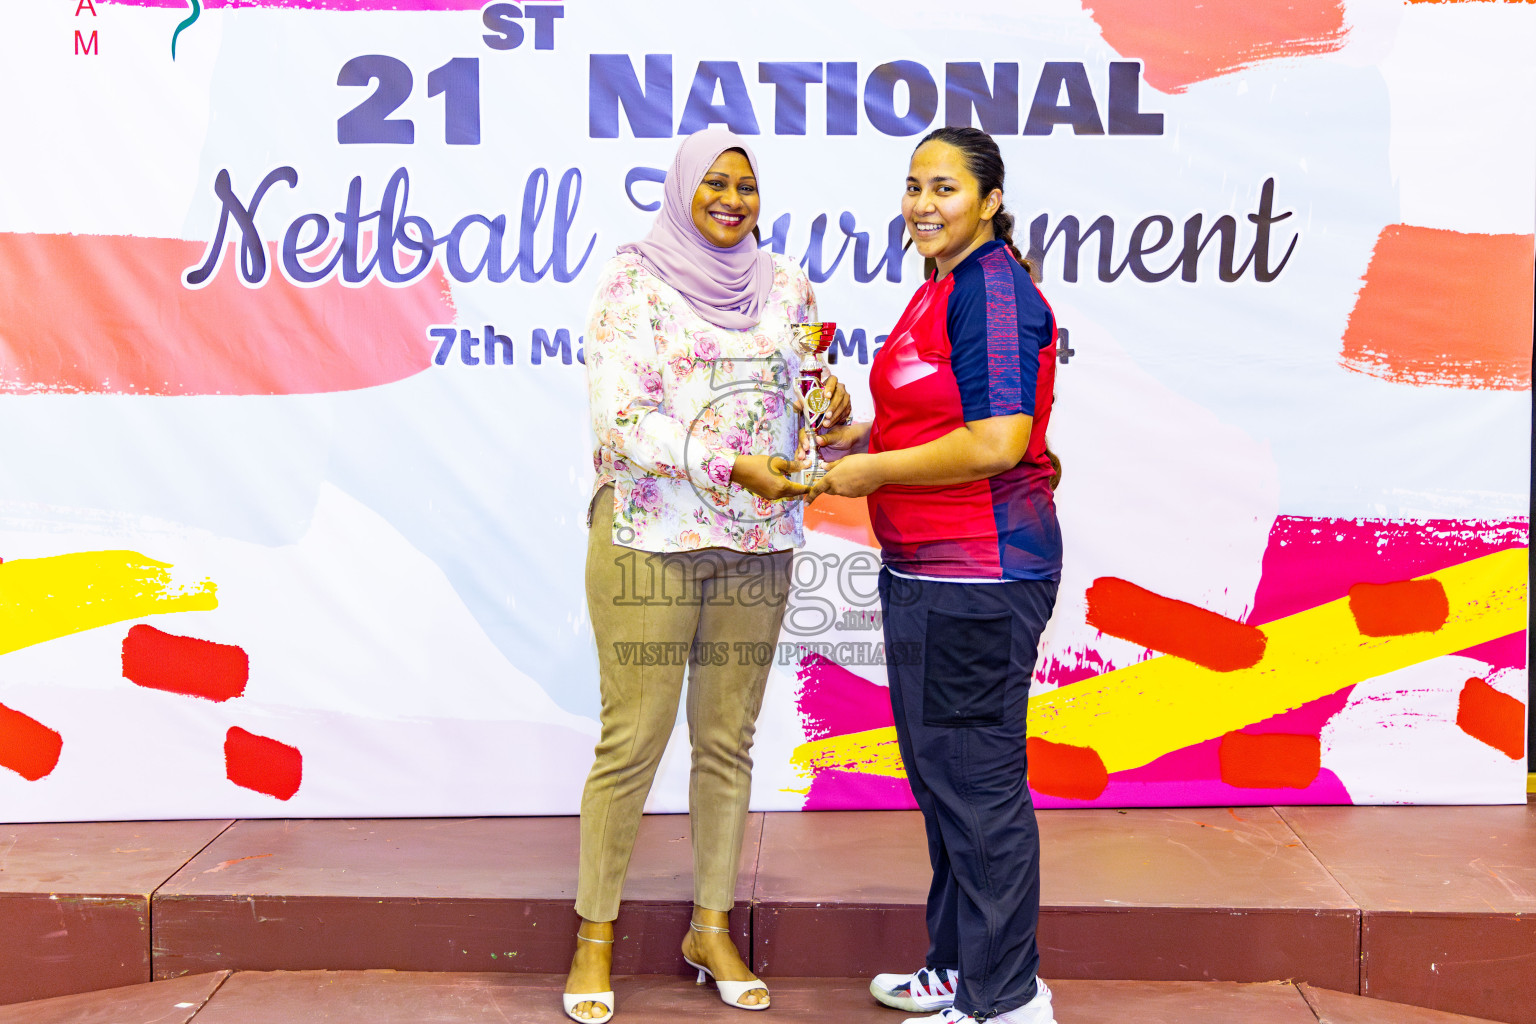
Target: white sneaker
{"points": [[924, 990], [949, 1016], [1037, 1011]]}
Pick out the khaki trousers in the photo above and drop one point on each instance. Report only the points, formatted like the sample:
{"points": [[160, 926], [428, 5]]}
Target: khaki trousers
{"points": [[655, 615]]}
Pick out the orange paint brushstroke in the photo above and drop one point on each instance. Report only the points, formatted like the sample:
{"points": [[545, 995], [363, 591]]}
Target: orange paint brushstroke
{"points": [[1495, 718], [1445, 309], [1174, 627], [1270, 760], [102, 313], [1181, 42], [1397, 609], [847, 518], [1065, 771]]}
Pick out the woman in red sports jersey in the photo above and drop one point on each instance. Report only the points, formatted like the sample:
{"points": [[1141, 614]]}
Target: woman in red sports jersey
{"points": [[960, 485]]}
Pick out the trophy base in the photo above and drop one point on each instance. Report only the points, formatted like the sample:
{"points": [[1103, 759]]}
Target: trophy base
{"points": [[810, 474]]}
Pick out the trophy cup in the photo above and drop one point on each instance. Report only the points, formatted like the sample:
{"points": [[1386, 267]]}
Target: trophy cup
{"points": [[812, 341]]}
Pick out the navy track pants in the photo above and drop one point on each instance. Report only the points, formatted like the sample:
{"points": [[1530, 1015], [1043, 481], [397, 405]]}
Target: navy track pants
{"points": [[961, 711]]}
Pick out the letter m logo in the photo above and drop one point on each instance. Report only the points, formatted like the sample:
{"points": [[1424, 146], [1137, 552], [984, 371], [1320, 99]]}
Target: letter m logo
{"points": [[89, 47]]}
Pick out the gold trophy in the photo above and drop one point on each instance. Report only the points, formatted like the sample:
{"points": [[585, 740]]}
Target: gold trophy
{"points": [[812, 341]]}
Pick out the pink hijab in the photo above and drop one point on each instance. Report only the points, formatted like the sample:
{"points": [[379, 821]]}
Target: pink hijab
{"points": [[727, 287]]}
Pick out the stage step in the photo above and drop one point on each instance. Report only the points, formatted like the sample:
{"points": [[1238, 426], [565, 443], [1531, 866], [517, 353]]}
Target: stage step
{"points": [[159, 1002], [389, 997], [1343, 1008], [423, 894], [75, 901], [1447, 899], [1423, 905], [1198, 895]]}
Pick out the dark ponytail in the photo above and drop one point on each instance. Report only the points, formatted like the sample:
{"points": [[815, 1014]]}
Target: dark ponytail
{"points": [[985, 162]]}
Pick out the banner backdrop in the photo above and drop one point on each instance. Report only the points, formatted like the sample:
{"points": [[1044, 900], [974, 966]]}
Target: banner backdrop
{"points": [[292, 300]]}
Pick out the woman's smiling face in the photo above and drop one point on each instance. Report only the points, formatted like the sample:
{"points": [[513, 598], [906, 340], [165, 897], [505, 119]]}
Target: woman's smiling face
{"points": [[946, 215], [726, 203]]}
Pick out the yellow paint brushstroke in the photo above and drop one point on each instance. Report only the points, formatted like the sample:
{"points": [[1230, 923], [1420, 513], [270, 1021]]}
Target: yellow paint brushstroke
{"points": [[46, 598], [873, 752], [1134, 715]]}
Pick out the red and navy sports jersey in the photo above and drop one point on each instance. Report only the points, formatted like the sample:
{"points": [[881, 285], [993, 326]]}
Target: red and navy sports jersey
{"points": [[977, 344]]}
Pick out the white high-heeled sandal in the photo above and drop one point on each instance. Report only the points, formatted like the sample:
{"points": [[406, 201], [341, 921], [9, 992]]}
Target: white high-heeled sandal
{"points": [[575, 999], [730, 991]]}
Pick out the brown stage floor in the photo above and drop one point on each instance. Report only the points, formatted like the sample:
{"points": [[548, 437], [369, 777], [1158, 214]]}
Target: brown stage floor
{"points": [[1434, 906], [388, 997]]}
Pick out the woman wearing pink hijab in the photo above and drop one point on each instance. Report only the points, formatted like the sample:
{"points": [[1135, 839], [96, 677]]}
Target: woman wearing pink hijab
{"points": [[690, 363]]}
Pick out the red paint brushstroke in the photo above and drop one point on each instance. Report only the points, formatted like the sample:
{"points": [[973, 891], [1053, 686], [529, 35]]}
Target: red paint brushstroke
{"points": [[1181, 42], [1445, 309], [1062, 770], [108, 314], [184, 664], [28, 747], [1399, 608], [262, 764], [316, 5], [1270, 760], [1495, 718], [1174, 627]]}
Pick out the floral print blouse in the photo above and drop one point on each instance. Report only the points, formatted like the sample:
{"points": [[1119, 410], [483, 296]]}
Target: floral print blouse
{"points": [[674, 399]]}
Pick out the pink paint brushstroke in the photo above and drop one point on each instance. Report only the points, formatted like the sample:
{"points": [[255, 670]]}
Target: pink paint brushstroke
{"points": [[833, 702], [1192, 777], [835, 790], [1072, 666], [1311, 561]]}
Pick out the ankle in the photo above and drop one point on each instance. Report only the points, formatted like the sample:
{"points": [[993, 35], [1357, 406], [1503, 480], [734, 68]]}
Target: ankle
{"points": [[704, 917], [594, 949]]}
